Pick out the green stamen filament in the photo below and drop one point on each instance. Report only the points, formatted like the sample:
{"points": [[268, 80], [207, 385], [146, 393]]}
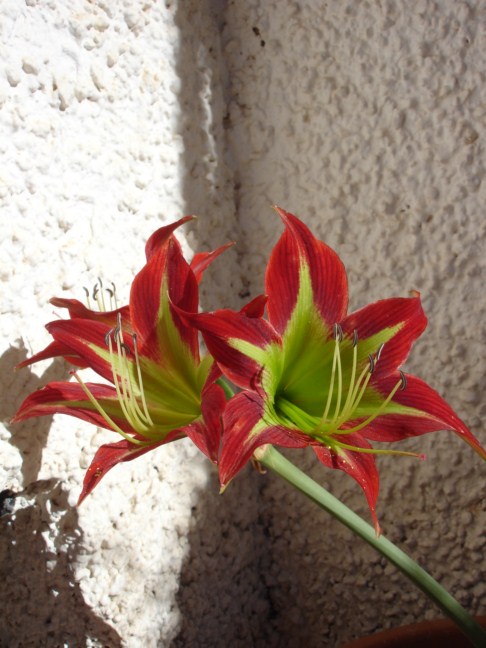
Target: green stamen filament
{"points": [[402, 453], [331, 386], [128, 389], [355, 392], [375, 414], [105, 416], [356, 389], [349, 399], [125, 388], [140, 381], [340, 382]]}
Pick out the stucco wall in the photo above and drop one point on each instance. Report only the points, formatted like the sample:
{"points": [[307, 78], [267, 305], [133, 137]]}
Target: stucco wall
{"points": [[365, 119]]}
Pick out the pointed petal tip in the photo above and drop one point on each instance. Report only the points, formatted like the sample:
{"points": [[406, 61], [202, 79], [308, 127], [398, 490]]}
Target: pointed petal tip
{"points": [[186, 219], [222, 488], [284, 215], [480, 451]]}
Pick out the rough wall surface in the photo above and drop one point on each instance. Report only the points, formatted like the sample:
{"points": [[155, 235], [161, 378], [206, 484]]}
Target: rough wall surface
{"points": [[367, 120]]}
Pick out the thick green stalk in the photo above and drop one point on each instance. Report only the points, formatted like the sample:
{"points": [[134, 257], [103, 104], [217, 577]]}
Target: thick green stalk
{"points": [[272, 459]]}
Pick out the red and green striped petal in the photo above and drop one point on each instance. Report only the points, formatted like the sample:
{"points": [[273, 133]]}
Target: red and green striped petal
{"points": [[359, 465], [167, 276], [395, 322], [298, 249], [423, 411], [70, 398], [245, 429], [86, 338], [225, 332]]}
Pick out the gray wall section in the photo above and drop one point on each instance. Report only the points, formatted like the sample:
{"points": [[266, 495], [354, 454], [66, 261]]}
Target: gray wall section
{"points": [[366, 120]]}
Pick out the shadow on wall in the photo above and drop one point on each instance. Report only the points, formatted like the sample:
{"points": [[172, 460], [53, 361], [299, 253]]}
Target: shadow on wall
{"points": [[222, 599], [208, 182], [41, 603]]}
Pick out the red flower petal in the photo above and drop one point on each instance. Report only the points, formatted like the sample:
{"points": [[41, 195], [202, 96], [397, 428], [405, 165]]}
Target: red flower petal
{"points": [[78, 310], [243, 434], [372, 319], [298, 246], [106, 457], [69, 398], [206, 433], [53, 350], [360, 466], [160, 237], [202, 260], [219, 328], [437, 415], [256, 307], [84, 337]]}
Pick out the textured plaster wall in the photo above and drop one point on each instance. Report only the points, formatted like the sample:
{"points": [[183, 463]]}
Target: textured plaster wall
{"points": [[367, 119]]}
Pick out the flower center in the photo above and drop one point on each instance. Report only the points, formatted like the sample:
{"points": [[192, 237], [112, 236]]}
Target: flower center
{"points": [[343, 400]]}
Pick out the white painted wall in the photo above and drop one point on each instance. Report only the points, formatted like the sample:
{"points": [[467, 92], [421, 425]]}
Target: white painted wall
{"points": [[367, 120]]}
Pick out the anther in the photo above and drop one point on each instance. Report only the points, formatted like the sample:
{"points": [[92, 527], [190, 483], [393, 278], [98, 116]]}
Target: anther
{"points": [[86, 291], [107, 336], [95, 291], [126, 347], [355, 338], [372, 363], [117, 329], [378, 353], [404, 379], [338, 333]]}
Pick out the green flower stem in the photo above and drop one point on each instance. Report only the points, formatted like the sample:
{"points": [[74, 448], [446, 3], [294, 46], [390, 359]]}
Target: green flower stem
{"points": [[272, 459]]}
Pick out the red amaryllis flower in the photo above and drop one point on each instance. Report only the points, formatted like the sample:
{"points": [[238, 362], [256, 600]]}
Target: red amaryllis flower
{"points": [[161, 390], [313, 375]]}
